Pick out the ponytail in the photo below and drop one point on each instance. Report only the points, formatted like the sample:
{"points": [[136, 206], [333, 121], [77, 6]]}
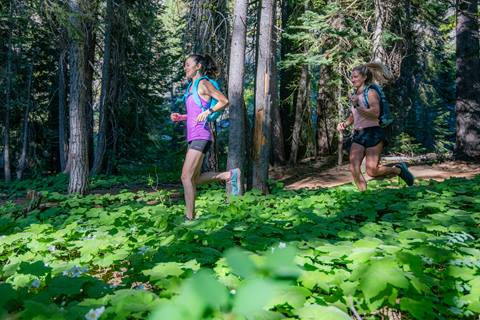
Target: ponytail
{"points": [[374, 71], [209, 67]]}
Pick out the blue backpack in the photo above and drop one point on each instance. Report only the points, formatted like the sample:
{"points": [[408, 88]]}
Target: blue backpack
{"points": [[385, 118], [196, 97]]}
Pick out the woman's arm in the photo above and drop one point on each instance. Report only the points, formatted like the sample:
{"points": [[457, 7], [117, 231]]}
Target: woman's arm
{"points": [[373, 112], [175, 117], [343, 125]]}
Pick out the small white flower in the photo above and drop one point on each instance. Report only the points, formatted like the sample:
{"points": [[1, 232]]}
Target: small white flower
{"points": [[94, 314], [282, 245], [52, 248], [233, 291], [35, 283]]}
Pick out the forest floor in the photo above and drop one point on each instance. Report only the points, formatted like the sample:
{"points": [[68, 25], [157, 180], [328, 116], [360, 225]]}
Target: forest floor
{"points": [[323, 174], [308, 174]]}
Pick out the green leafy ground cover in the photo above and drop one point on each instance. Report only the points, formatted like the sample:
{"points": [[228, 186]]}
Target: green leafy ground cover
{"points": [[323, 254]]}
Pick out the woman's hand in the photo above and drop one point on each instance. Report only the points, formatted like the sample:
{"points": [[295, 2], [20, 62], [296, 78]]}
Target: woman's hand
{"points": [[202, 117], [176, 117], [341, 126]]}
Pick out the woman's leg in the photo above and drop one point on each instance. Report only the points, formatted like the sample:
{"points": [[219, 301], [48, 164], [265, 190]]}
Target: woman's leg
{"points": [[374, 169], [190, 170], [207, 177], [357, 153]]}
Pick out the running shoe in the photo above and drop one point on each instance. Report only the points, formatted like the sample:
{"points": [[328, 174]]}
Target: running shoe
{"points": [[235, 181], [405, 174]]}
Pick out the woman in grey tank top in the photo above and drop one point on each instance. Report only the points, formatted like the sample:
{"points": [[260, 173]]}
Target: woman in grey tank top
{"points": [[368, 136]]}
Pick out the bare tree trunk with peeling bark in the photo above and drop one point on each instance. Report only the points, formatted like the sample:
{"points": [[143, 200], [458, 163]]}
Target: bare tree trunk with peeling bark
{"points": [[262, 127], [236, 144]]}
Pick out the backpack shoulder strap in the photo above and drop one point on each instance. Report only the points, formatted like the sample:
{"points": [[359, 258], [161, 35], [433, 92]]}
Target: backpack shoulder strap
{"points": [[377, 89], [195, 94], [187, 92]]}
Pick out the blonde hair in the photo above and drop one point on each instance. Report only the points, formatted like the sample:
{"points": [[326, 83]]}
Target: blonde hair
{"points": [[374, 71]]}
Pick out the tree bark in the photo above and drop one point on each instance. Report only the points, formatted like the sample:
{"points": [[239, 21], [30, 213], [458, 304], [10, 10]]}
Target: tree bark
{"points": [[78, 149], [299, 111], [90, 41], [22, 161], [8, 98], [236, 138], [340, 117], [262, 128], [62, 103], [278, 148], [104, 94], [379, 54], [468, 81], [325, 111], [117, 83]]}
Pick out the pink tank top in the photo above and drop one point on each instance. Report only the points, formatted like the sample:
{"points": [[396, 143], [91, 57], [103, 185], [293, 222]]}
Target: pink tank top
{"points": [[360, 121], [196, 130]]}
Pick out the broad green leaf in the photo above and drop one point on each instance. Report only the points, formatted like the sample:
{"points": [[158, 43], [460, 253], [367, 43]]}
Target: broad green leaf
{"points": [[253, 296], [317, 312], [37, 268], [463, 273], [418, 308], [380, 273], [7, 293], [240, 262], [204, 287], [281, 262], [293, 295], [164, 270], [312, 279]]}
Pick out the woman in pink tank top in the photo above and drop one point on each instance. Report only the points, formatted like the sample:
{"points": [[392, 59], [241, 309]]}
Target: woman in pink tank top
{"points": [[368, 136], [199, 137]]}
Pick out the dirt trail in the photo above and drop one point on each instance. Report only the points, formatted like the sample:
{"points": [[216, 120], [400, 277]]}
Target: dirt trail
{"points": [[317, 175]]}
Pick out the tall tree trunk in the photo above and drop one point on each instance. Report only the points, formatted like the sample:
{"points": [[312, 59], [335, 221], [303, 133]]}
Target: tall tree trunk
{"points": [[117, 82], [8, 98], [289, 76], [62, 103], [90, 41], [236, 138], [104, 94], [262, 128], [468, 81], [340, 118], [22, 161], [379, 54], [407, 83], [299, 111], [78, 148], [325, 110], [278, 148]]}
